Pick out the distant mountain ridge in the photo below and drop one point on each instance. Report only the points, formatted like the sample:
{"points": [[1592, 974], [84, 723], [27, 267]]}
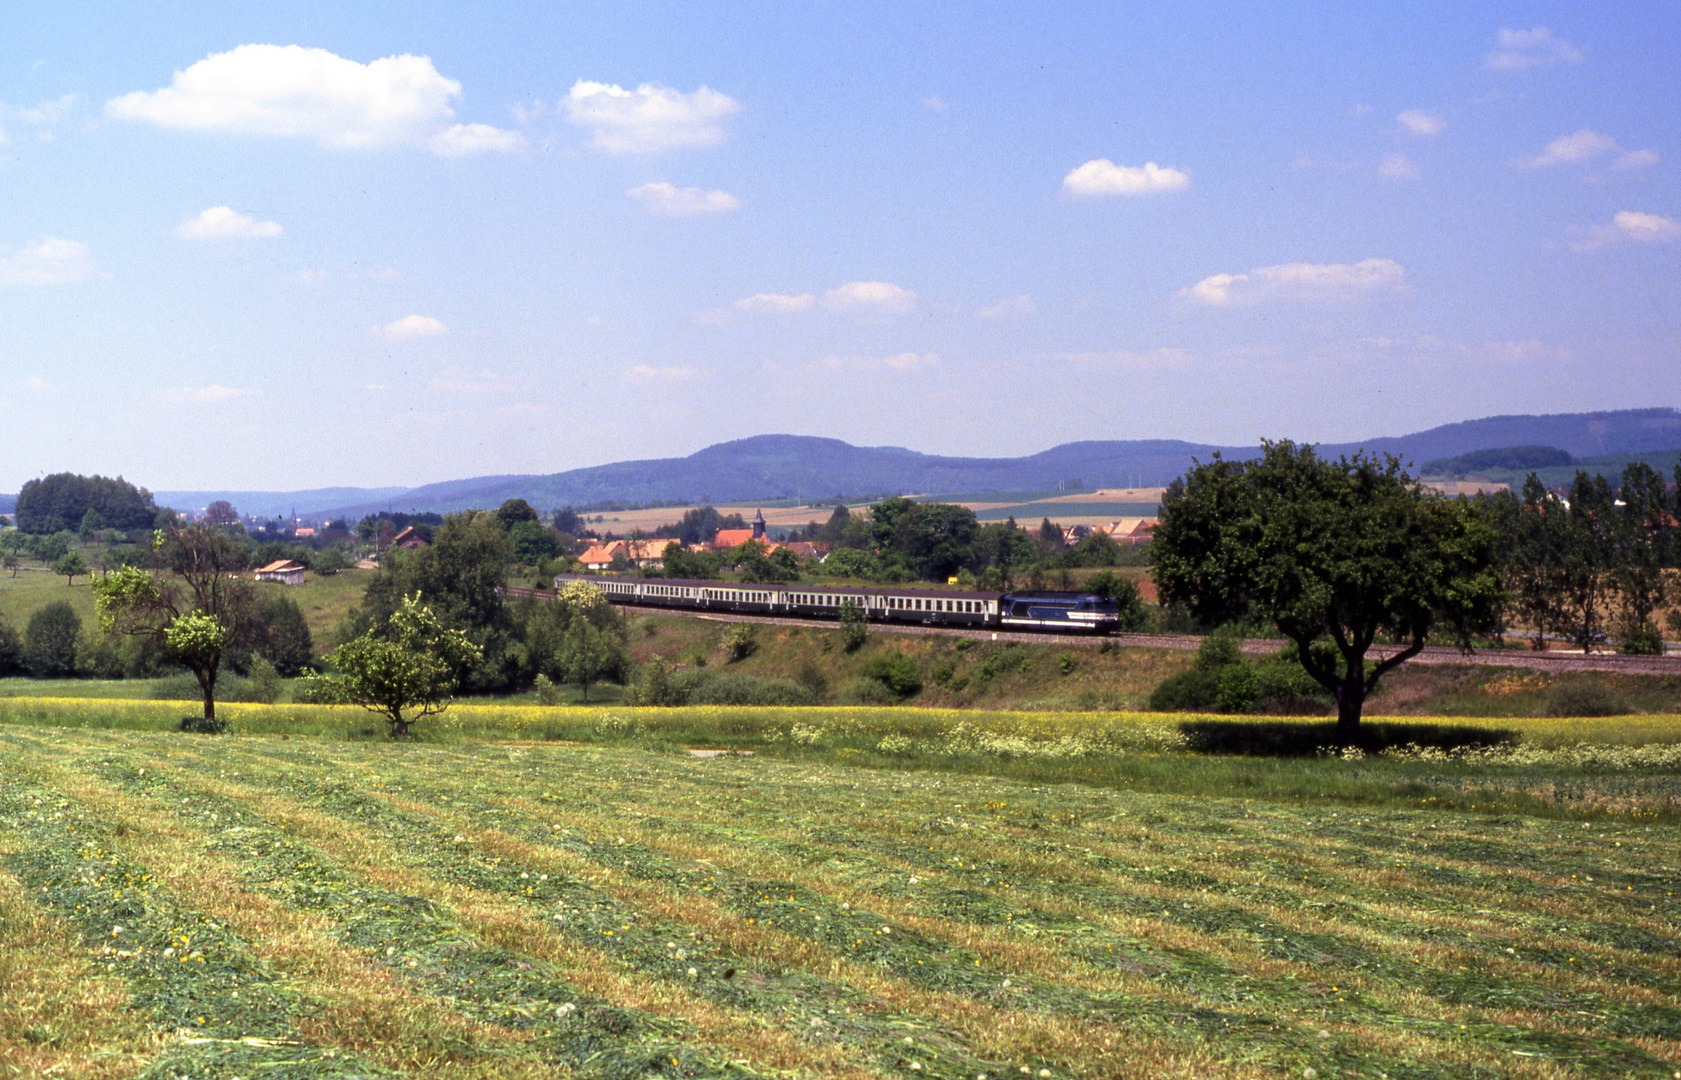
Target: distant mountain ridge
{"points": [[817, 470]]}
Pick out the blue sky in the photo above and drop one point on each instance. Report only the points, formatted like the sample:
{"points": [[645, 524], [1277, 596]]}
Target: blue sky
{"points": [[299, 246]]}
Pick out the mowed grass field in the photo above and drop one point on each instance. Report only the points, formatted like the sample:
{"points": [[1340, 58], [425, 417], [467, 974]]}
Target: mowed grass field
{"points": [[869, 894]]}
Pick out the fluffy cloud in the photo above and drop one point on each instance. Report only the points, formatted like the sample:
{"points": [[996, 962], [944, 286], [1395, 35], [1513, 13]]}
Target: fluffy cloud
{"points": [[781, 303], [291, 91], [1104, 177], [866, 296], [223, 223], [462, 139], [643, 373], [1011, 307], [648, 119], [410, 327], [1516, 50], [669, 200], [1419, 122], [1628, 226], [1397, 166], [1586, 146], [1300, 282], [902, 362], [48, 261], [204, 395]]}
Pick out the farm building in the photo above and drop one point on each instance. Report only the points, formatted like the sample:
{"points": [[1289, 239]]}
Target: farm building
{"points": [[408, 539], [284, 571]]}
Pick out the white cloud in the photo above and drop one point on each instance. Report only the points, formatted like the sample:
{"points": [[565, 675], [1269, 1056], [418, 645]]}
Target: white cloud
{"points": [[680, 374], [1104, 177], [1584, 145], [46, 113], [462, 139], [1011, 307], [291, 91], [1397, 166], [1516, 50], [780, 303], [879, 296], [1635, 159], [648, 119], [410, 327], [204, 395], [223, 223], [48, 261], [936, 104], [901, 362], [1628, 226], [669, 200], [37, 384], [1419, 122], [1300, 282]]}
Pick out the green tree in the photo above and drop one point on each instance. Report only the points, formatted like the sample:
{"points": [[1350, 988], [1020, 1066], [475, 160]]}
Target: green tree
{"points": [[50, 641], [1132, 616], [71, 565], [459, 576], [588, 654], [405, 673], [282, 636], [11, 651], [194, 601], [1335, 554], [1589, 557], [854, 625], [514, 511], [1644, 530]]}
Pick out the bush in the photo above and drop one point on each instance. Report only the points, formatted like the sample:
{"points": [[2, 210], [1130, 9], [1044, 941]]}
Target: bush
{"points": [[1236, 689], [50, 639], [740, 641], [652, 685], [1584, 697], [547, 692], [896, 671], [1646, 641], [812, 678], [734, 688], [1195, 690], [867, 691], [1220, 649], [264, 682]]}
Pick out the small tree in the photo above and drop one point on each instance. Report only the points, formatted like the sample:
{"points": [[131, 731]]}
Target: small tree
{"points": [[195, 604], [588, 654], [71, 566], [50, 641], [406, 675], [854, 625]]}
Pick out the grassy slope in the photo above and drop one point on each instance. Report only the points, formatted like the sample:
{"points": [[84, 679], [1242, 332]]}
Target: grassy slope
{"points": [[334, 908]]}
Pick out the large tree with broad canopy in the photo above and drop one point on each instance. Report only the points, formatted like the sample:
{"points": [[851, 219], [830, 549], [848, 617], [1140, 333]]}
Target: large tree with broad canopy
{"points": [[1337, 555]]}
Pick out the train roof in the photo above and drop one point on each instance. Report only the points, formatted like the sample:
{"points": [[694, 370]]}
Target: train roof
{"points": [[840, 590]]}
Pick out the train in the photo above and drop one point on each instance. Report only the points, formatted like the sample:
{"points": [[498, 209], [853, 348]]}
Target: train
{"points": [[1053, 611]]}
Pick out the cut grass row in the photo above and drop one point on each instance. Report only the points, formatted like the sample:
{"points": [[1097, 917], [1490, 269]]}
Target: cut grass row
{"points": [[493, 909], [1620, 767]]}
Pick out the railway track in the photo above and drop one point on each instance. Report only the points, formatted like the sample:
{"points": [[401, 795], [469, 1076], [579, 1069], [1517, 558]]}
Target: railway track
{"points": [[1550, 660]]}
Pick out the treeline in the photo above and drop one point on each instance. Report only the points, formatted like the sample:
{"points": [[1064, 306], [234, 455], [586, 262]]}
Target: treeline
{"points": [[1594, 563], [66, 502], [904, 540]]}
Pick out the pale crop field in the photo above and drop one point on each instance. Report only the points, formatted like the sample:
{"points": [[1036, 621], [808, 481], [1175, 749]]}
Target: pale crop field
{"points": [[871, 893]]}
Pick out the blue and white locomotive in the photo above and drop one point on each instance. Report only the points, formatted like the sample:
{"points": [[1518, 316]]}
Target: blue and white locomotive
{"points": [[1068, 612]]}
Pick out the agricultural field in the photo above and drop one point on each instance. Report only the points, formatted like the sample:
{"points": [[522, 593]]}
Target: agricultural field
{"points": [[869, 893]]}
